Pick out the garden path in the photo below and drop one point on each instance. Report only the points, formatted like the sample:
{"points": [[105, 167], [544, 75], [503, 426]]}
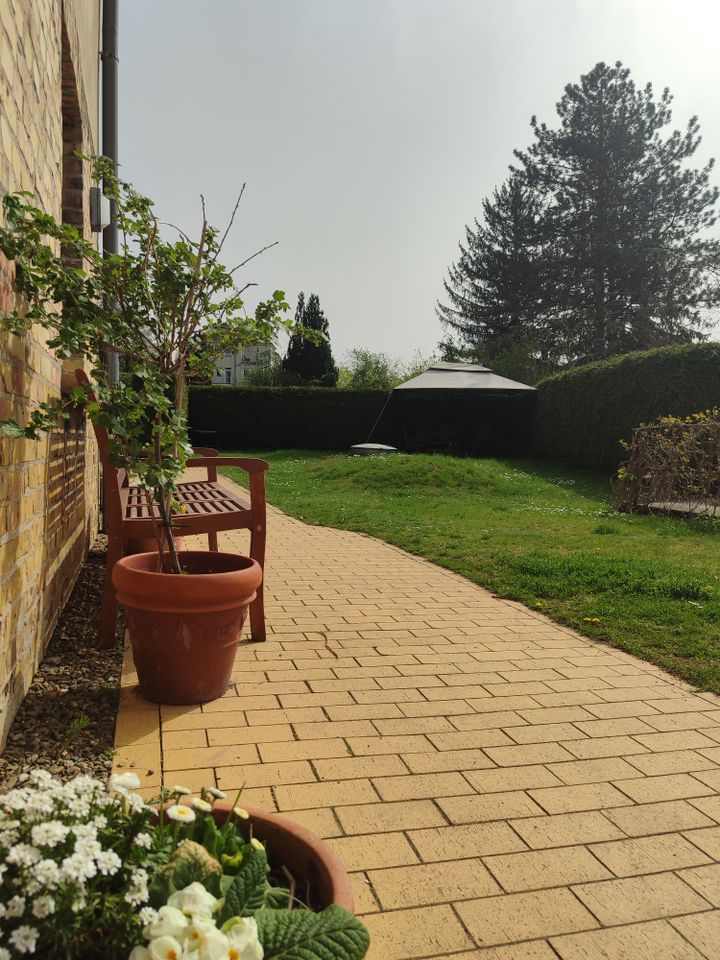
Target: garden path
{"points": [[499, 786]]}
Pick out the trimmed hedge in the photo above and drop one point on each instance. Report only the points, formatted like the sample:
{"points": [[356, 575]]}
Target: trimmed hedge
{"points": [[581, 415], [276, 418]]}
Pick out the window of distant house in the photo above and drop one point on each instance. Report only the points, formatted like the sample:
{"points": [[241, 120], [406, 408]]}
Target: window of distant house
{"points": [[228, 374]]}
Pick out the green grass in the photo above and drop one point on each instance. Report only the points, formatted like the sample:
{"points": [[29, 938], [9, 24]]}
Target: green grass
{"points": [[536, 532]]}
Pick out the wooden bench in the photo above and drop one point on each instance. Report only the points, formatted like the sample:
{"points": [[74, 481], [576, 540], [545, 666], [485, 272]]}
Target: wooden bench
{"points": [[207, 507]]}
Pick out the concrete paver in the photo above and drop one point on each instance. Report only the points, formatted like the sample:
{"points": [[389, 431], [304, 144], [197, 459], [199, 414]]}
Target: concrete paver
{"points": [[498, 786]]}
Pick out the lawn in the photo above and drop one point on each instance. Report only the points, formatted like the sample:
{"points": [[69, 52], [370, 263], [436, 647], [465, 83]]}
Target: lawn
{"points": [[544, 534]]}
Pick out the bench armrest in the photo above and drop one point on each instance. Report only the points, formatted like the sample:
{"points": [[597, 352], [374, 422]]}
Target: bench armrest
{"points": [[248, 464]]}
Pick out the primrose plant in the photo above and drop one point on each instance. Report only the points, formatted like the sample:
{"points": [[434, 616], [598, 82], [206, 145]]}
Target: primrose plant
{"points": [[91, 872], [167, 308]]}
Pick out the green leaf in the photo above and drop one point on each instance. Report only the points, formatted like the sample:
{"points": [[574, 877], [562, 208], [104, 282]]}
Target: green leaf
{"points": [[188, 871], [246, 893], [12, 429], [210, 836], [160, 890], [333, 934]]}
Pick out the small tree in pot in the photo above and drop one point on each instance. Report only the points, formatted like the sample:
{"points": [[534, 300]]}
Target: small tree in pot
{"points": [[167, 308]]}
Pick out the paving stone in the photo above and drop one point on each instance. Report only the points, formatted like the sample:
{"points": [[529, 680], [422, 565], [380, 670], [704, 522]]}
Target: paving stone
{"points": [[639, 898], [472, 840], [530, 950], [460, 739], [531, 753], [353, 768], [546, 733], [674, 761], [419, 786], [412, 934], [524, 916], [302, 750], [674, 786], [401, 815], [593, 771], [446, 882], [707, 839], [595, 747], [330, 793], [641, 819], [564, 829], [585, 796], [639, 941], [512, 778], [538, 869], [702, 930], [440, 760], [705, 880], [491, 806], [668, 851]]}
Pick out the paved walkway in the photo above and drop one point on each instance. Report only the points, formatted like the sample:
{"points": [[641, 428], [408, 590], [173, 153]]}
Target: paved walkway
{"points": [[500, 787]]}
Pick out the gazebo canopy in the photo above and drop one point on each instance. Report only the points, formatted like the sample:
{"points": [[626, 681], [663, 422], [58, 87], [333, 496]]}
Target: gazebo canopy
{"points": [[461, 377]]}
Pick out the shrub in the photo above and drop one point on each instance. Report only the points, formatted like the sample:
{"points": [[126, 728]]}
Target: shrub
{"points": [[274, 418], [582, 415], [670, 460]]}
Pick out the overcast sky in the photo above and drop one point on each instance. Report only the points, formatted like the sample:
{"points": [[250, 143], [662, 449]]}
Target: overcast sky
{"points": [[369, 131]]}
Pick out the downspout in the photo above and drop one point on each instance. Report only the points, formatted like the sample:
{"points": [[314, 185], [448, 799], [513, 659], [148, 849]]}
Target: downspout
{"points": [[109, 60]]}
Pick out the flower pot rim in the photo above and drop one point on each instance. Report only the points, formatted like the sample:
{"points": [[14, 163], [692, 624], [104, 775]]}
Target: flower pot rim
{"points": [[322, 852], [135, 564]]}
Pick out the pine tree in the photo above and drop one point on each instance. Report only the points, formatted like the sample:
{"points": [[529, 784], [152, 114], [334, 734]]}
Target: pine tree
{"points": [[306, 361], [494, 288], [626, 263], [597, 244]]}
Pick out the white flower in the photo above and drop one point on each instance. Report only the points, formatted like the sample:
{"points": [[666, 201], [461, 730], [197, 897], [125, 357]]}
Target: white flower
{"points": [[217, 794], [88, 848], [100, 821], [108, 862], [201, 804], [23, 855], [40, 777], [47, 873], [205, 941], [165, 948], [256, 843], [15, 907], [180, 790], [180, 812], [24, 939], [139, 953], [241, 812], [43, 907], [78, 867], [144, 840], [194, 901], [85, 831], [243, 942], [123, 783], [4, 954], [148, 915], [49, 834], [3, 910], [168, 922], [138, 889]]}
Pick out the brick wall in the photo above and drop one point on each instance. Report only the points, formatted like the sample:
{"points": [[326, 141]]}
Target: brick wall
{"points": [[48, 489]]}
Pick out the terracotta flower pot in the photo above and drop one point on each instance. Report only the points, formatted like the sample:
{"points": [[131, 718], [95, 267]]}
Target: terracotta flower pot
{"points": [[308, 858], [184, 628]]}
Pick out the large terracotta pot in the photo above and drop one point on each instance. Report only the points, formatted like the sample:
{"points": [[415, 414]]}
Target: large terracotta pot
{"points": [[308, 858], [184, 628]]}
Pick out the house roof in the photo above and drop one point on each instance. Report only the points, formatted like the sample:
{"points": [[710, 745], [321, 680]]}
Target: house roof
{"points": [[462, 376]]}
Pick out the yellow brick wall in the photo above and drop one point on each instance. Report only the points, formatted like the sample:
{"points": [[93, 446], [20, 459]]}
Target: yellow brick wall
{"points": [[49, 105]]}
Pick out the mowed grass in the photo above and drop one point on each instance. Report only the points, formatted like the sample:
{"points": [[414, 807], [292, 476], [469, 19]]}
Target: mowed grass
{"points": [[539, 533]]}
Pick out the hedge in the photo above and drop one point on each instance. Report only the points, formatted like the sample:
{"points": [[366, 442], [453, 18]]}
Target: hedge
{"points": [[581, 415], [276, 418]]}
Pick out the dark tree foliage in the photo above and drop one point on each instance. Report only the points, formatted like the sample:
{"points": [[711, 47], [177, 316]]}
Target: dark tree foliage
{"points": [[308, 362], [493, 289], [621, 255]]}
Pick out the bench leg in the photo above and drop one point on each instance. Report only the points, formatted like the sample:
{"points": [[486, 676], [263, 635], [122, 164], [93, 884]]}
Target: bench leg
{"points": [[109, 609], [257, 617], [212, 541]]}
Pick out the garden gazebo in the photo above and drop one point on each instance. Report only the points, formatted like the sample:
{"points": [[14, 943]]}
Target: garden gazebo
{"points": [[463, 408]]}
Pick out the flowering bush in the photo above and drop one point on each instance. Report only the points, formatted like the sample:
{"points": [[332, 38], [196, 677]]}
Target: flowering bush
{"points": [[86, 873]]}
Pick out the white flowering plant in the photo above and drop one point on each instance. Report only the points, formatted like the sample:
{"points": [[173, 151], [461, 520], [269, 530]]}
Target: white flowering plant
{"points": [[89, 872]]}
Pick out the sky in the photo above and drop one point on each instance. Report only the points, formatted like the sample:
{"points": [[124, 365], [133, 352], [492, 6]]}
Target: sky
{"points": [[368, 132]]}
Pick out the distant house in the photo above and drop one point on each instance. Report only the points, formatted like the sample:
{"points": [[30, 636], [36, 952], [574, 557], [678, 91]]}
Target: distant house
{"points": [[232, 368]]}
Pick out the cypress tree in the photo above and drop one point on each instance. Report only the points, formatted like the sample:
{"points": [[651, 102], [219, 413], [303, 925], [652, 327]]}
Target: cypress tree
{"points": [[310, 360]]}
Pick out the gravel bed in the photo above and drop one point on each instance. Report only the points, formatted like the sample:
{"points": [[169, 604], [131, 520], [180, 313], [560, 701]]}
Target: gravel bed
{"points": [[66, 723]]}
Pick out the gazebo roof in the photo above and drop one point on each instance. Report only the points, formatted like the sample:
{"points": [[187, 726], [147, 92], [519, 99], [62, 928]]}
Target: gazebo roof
{"points": [[461, 377]]}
